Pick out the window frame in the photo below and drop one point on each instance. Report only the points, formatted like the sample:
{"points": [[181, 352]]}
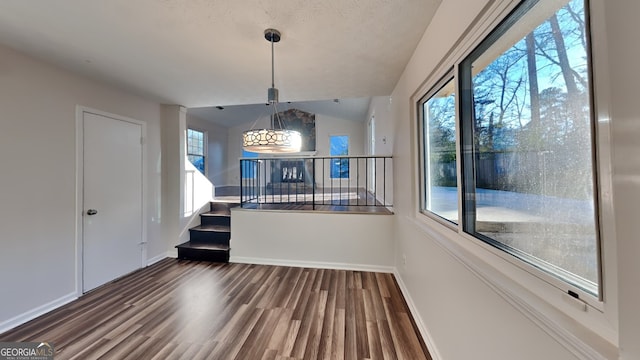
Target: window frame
{"points": [[568, 281], [204, 148], [534, 289], [449, 76]]}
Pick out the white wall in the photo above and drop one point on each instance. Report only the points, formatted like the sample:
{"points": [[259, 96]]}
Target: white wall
{"points": [[621, 37], [464, 315], [37, 179], [312, 239], [174, 131], [217, 159], [327, 126], [380, 108]]}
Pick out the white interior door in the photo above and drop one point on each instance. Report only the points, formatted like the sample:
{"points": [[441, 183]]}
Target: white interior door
{"points": [[112, 199]]}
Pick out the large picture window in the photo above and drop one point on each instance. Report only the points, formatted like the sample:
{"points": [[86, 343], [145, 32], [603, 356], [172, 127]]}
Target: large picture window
{"points": [[528, 142], [196, 148], [438, 156]]}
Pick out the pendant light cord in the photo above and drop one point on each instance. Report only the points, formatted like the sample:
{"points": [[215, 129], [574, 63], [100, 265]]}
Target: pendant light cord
{"points": [[273, 85], [276, 116]]}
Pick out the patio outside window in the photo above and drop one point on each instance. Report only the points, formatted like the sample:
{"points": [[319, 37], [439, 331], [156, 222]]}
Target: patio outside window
{"points": [[528, 142]]}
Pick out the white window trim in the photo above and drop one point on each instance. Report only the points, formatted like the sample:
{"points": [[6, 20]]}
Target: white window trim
{"points": [[205, 146], [590, 333], [449, 75]]}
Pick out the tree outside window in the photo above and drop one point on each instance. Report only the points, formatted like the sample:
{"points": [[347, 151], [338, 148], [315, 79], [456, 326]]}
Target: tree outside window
{"points": [[439, 165], [528, 154]]}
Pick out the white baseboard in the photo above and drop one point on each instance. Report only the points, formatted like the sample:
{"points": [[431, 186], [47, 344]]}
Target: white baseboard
{"points": [[426, 336], [34, 313], [311, 264], [173, 253], [155, 259]]}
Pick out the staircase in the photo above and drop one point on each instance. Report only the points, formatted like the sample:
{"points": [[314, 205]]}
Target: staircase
{"points": [[210, 240]]}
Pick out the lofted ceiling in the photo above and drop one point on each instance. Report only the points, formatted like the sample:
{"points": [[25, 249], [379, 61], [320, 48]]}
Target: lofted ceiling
{"points": [[354, 109], [199, 53]]}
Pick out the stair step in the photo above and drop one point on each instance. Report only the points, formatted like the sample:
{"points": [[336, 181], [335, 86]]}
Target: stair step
{"points": [[222, 207], [203, 252], [219, 212], [212, 228], [214, 218], [216, 214], [213, 247], [210, 240], [210, 234]]}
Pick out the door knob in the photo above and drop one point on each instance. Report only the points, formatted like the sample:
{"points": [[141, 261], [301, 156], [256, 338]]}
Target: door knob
{"points": [[92, 212]]}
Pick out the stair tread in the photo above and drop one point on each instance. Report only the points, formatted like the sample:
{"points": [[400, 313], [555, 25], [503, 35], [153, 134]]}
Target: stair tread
{"points": [[223, 202], [212, 228], [222, 207], [216, 214], [213, 247]]}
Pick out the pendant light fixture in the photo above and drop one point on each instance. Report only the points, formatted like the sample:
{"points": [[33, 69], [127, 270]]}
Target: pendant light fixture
{"points": [[274, 140]]}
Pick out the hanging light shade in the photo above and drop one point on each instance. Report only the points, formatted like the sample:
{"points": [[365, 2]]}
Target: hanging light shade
{"points": [[271, 141], [274, 140]]}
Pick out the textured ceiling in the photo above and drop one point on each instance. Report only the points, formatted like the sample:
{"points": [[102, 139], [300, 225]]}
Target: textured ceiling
{"points": [[212, 52]]}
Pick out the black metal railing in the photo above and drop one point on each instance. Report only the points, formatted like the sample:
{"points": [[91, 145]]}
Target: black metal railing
{"points": [[316, 181]]}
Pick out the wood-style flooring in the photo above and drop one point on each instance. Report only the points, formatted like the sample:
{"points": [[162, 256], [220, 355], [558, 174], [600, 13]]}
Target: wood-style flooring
{"points": [[338, 200], [353, 209], [179, 309]]}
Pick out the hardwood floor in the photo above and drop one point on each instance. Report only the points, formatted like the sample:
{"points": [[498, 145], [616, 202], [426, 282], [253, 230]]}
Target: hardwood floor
{"points": [[338, 200], [180, 309], [353, 209]]}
